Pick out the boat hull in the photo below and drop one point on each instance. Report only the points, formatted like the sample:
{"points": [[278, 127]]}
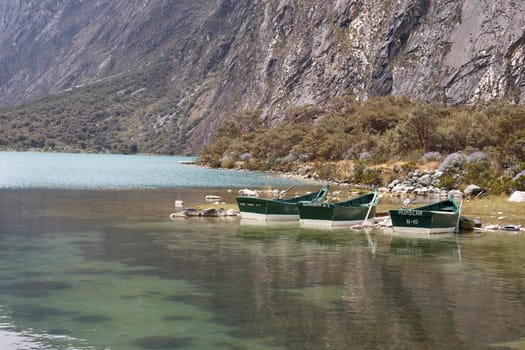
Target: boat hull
{"points": [[268, 217], [408, 220], [329, 223], [251, 208], [254, 208], [332, 215]]}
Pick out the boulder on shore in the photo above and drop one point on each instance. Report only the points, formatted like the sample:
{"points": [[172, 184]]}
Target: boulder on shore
{"points": [[473, 190], [518, 196]]}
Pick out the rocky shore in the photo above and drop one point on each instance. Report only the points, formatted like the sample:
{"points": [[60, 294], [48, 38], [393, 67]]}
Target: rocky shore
{"points": [[427, 183]]}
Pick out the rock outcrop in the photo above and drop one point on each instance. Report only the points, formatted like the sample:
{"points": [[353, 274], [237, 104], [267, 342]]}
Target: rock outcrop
{"points": [[222, 56]]}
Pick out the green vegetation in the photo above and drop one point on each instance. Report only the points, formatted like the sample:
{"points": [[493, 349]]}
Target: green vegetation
{"points": [[354, 142], [128, 113]]}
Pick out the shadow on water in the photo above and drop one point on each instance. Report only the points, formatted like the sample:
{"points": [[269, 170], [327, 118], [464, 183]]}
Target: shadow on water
{"points": [[91, 318], [163, 342], [34, 312], [201, 301], [426, 245], [263, 231], [170, 318], [33, 289]]}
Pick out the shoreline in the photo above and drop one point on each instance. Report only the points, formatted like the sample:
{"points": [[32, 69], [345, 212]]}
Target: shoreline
{"points": [[490, 210]]}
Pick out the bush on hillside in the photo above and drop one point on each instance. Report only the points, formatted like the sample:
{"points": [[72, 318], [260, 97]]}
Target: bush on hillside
{"points": [[477, 158], [518, 181], [431, 157], [453, 163], [480, 141]]}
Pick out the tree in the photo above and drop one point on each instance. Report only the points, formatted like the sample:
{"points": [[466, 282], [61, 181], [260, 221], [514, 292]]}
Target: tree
{"points": [[419, 123]]}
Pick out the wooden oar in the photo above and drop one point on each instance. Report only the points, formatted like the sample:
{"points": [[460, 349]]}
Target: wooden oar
{"points": [[456, 230], [335, 194], [283, 192], [321, 194], [459, 248], [408, 201], [372, 203]]}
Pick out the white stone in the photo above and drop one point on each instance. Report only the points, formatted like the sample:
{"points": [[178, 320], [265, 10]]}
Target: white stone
{"points": [[518, 196]]}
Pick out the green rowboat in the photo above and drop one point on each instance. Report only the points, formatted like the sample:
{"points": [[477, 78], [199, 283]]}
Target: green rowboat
{"points": [[339, 214], [276, 209], [439, 217]]}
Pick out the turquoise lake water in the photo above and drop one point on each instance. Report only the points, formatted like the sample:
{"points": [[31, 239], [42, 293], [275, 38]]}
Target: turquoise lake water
{"points": [[99, 265], [107, 171]]}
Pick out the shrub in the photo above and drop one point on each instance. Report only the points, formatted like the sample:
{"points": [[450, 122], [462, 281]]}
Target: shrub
{"points": [[365, 156], [245, 156], [362, 174], [518, 181], [432, 157], [518, 175], [453, 162], [408, 166], [304, 157], [478, 173], [372, 177], [253, 164], [500, 184], [448, 182], [357, 172], [477, 157], [227, 162], [326, 170], [518, 184], [388, 128]]}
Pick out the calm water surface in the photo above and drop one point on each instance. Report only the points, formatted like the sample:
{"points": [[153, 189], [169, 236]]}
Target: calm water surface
{"points": [[106, 269], [108, 171]]}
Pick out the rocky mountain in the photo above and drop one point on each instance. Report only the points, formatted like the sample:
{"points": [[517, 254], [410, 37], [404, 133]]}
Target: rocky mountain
{"points": [[164, 73]]}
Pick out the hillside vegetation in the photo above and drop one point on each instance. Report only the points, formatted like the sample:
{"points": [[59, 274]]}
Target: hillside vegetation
{"points": [[348, 141], [128, 113], [159, 76]]}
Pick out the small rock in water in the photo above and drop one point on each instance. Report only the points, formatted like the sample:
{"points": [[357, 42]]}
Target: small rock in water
{"points": [[191, 212], [232, 212], [510, 227], [477, 222], [248, 192], [175, 216], [210, 212]]}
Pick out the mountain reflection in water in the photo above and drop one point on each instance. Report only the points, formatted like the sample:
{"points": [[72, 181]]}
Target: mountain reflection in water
{"points": [[113, 271]]}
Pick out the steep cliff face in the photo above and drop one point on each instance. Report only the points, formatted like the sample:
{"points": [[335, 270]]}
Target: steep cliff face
{"points": [[224, 56], [463, 52], [48, 46]]}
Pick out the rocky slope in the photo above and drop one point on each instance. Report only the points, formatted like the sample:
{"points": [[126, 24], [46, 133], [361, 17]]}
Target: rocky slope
{"points": [[217, 57]]}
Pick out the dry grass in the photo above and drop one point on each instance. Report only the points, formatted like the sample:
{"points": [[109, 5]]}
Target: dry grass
{"points": [[495, 210], [490, 210], [223, 205]]}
